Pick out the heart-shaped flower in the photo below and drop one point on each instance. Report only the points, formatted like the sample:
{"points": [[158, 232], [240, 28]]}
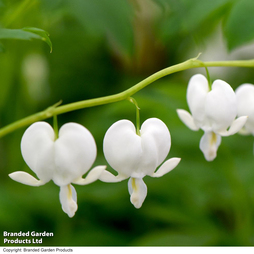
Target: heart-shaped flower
{"points": [[213, 111], [63, 160], [245, 106], [135, 156]]}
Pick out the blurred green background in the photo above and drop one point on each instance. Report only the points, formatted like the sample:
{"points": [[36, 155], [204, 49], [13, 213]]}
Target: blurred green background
{"points": [[103, 47]]}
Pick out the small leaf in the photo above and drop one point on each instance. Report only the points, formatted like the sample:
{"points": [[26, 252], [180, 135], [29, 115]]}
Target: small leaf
{"points": [[17, 34], [42, 33], [238, 28], [27, 33]]}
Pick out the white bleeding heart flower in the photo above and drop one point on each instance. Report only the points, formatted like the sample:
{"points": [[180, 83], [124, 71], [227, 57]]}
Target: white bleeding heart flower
{"points": [[63, 160], [135, 156], [213, 111], [245, 106]]}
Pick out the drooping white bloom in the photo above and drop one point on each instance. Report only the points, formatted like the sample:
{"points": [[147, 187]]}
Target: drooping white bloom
{"points": [[63, 160], [135, 156], [245, 106], [213, 111]]}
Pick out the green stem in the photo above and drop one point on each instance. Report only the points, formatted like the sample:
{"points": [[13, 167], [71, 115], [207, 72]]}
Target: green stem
{"points": [[208, 78], [132, 100], [55, 125], [57, 110]]}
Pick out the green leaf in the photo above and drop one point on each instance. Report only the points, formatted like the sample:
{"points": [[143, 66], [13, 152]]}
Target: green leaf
{"points": [[27, 33], [42, 33], [238, 28], [18, 34]]}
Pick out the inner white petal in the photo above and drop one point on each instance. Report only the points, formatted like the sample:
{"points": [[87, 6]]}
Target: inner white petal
{"points": [[209, 144], [138, 191], [68, 199]]}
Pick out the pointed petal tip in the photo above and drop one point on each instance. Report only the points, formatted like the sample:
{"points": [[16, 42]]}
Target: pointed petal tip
{"points": [[235, 127], [166, 167], [92, 176], [187, 119], [138, 191], [68, 200], [136, 202], [73, 208], [209, 144], [108, 177]]}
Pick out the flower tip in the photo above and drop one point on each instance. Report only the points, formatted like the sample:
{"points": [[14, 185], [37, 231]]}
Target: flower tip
{"points": [[166, 167], [211, 156], [187, 119], [68, 200], [138, 191], [72, 210], [136, 202], [235, 127], [92, 176]]}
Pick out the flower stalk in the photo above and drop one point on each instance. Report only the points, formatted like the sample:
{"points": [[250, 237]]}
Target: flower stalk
{"points": [[55, 126], [132, 100], [57, 110]]}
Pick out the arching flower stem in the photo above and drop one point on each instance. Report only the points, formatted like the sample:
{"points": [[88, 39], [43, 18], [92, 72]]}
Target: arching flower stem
{"points": [[57, 110]]}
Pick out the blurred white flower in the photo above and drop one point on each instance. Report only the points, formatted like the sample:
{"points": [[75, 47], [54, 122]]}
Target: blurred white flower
{"points": [[213, 111], [245, 106], [35, 72], [63, 160], [135, 156]]}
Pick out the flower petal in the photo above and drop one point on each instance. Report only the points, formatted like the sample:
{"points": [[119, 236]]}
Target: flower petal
{"points": [[187, 119], [209, 144], [93, 175], [37, 148], [107, 177], [122, 147], [221, 106], [236, 126], [245, 105], [68, 199], [75, 153], [133, 155], [166, 167], [138, 191], [25, 178], [156, 142], [197, 91]]}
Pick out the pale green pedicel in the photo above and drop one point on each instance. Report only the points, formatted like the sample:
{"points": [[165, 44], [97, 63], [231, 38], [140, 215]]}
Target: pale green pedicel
{"points": [[56, 110]]}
